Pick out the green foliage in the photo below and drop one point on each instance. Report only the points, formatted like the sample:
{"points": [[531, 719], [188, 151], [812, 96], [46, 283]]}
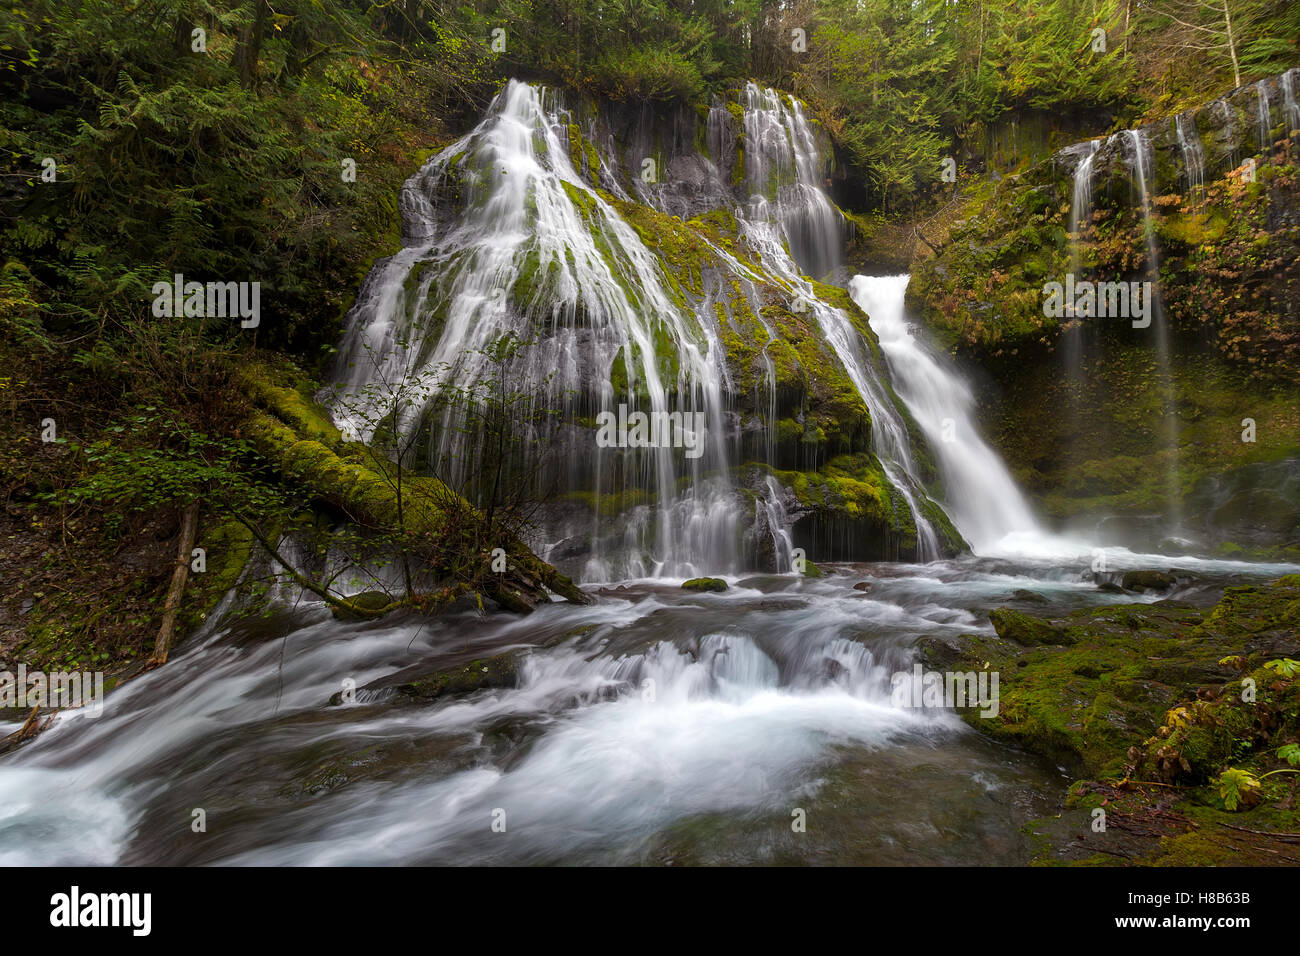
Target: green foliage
{"points": [[220, 164], [151, 460], [649, 74], [1237, 788], [1284, 667], [888, 78]]}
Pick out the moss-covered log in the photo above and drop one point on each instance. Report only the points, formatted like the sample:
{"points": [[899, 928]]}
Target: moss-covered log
{"points": [[297, 437]]}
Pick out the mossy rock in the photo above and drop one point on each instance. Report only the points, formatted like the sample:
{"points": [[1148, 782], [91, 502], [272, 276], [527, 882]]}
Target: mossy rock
{"points": [[704, 584], [1026, 630], [1148, 581], [1096, 703], [500, 671]]}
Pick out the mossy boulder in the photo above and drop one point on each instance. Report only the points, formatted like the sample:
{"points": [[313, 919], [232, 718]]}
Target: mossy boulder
{"points": [[500, 671], [1148, 580], [1026, 630], [355, 483], [704, 584]]}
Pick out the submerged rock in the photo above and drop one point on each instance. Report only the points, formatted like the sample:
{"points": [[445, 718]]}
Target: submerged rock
{"points": [[1148, 581], [493, 672]]}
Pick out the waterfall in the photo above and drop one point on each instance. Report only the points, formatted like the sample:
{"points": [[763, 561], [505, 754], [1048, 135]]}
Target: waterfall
{"points": [[1193, 154], [1291, 109], [507, 241], [535, 253], [1081, 205], [782, 156], [1080, 213], [783, 167], [1141, 150], [772, 523], [1229, 129], [981, 497], [1262, 113]]}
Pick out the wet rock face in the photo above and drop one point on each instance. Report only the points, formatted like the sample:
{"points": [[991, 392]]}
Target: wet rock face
{"points": [[1070, 404], [1257, 503], [1214, 138]]}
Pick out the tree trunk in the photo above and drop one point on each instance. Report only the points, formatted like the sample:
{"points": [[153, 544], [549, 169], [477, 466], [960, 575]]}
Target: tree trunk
{"points": [[249, 47], [1232, 45], [189, 528], [184, 34]]}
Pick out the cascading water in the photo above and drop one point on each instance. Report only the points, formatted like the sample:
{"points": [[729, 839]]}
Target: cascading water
{"points": [[772, 523], [1081, 204], [1262, 114], [1193, 155], [783, 162], [782, 154], [981, 497], [1291, 109], [1173, 497], [675, 728], [536, 254], [1080, 212]]}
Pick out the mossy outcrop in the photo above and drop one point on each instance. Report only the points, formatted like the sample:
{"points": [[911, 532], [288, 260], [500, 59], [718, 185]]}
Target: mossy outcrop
{"points": [[1160, 692], [1090, 413], [374, 493], [818, 444]]}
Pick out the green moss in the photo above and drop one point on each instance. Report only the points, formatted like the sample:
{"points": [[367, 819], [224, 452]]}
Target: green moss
{"points": [[610, 504], [288, 392], [1194, 229], [1100, 690], [704, 584], [227, 547], [493, 672], [1024, 629]]}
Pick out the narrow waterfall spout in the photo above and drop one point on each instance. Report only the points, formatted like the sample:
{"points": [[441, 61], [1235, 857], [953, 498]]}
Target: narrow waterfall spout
{"points": [[1193, 154], [982, 498], [1080, 215], [1262, 113], [1290, 107], [1164, 365]]}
